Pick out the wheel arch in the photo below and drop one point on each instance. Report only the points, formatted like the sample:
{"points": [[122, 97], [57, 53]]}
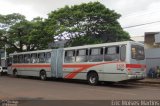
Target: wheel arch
{"points": [[43, 74], [14, 70], [41, 70], [91, 71]]}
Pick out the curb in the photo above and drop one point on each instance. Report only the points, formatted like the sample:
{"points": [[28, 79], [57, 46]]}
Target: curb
{"points": [[149, 82], [146, 84]]}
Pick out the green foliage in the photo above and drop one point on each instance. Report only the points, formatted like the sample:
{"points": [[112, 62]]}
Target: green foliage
{"points": [[2, 44], [38, 36], [92, 20], [83, 40], [22, 35], [6, 21]]}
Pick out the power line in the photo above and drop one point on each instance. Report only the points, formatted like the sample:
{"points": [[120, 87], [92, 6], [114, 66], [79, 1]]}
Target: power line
{"points": [[141, 24]]}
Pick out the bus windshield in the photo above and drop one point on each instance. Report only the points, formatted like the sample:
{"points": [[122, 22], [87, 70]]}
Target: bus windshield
{"points": [[137, 52]]}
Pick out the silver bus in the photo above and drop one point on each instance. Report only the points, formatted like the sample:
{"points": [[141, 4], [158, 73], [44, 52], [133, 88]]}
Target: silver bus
{"points": [[114, 62]]}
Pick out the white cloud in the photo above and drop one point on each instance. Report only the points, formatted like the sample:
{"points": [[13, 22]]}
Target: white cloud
{"points": [[9, 8], [150, 14]]}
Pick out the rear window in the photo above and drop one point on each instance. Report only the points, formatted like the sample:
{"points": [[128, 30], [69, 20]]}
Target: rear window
{"points": [[137, 52]]}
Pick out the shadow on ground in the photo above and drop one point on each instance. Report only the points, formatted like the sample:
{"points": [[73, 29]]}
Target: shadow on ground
{"points": [[125, 85]]}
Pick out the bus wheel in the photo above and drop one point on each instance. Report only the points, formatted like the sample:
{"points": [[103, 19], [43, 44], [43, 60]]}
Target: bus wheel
{"points": [[43, 75], [15, 73], [92, 78]]}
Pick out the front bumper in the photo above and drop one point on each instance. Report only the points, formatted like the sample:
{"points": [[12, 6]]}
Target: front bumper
{"points": [[4, 71]]}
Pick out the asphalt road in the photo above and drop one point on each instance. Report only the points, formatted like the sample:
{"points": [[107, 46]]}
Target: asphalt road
{"points": [[34, 89]]}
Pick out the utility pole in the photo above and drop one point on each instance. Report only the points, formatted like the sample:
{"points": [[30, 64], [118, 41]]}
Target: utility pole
{"points": [[0, 56]]}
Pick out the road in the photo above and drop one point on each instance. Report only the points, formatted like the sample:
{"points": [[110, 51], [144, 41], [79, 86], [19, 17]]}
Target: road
{"points": [[33, 89]]}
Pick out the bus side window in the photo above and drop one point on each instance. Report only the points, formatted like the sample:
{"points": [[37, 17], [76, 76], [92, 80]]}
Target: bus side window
{"points": [[111, 53], [9, 61], [41, 57], [34, 58], [123, 53], [48, 57], [96, 54], [27, 58], [15, 59], [81, 55], [20, 59], [69, 56]]}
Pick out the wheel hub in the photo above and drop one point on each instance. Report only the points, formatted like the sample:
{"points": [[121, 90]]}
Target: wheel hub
{"points": [[92, 79]]}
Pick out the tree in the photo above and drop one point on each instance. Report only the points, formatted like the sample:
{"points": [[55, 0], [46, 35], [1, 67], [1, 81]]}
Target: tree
{"points": [[2, 44], [86, 24], [39, 38], [22, 35], [6, 21]]}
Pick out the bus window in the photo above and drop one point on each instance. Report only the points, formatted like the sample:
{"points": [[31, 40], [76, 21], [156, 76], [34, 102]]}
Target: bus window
{"points": [[20, 59], [34, 58], [137, 52], [9, 61], [15, 59], [69, 56], [27, 58], [96, 54], [123, 53], [81, 55], [41, 57], [111, 53], [48, 57]]}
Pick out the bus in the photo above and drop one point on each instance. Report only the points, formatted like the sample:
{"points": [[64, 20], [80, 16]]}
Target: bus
{"points": [[3, 61], [112, 62]]}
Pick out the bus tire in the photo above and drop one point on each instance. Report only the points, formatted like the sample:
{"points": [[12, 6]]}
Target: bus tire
{"points": [[43, 75], [92, 78], [15, 73]]}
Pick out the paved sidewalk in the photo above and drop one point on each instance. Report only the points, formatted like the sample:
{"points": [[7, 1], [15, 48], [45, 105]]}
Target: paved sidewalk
{"points": [[150, 80]]}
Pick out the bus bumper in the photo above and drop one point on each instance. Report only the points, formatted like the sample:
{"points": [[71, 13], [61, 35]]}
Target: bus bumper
{"points": [[136, 76]]}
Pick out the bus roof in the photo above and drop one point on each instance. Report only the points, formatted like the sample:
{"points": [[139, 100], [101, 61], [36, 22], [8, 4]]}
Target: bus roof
{"points": [[81, 47], [29, 52], [104, 44]]}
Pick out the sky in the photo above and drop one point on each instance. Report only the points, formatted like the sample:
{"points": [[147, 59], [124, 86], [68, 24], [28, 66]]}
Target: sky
{"points": [[133, 12]]}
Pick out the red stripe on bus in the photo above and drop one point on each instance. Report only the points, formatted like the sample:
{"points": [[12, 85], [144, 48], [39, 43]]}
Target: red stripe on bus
{"points": [[73, 74], [135, 66], [77, 65], [86, 65], [32, 66], [81, 67]]}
